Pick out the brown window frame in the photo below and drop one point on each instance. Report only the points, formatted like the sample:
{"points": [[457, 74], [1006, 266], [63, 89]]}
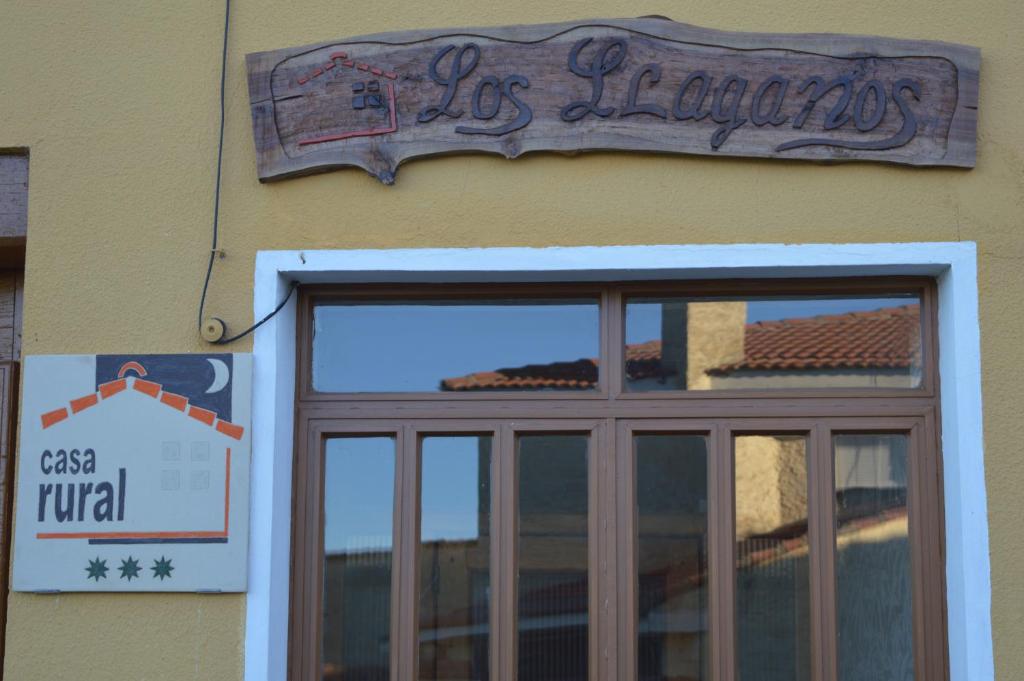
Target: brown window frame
{"points": [[610, 414]]}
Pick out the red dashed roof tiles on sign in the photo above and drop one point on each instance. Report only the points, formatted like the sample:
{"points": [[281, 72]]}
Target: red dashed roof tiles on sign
{"points": [[880, 339], [342, 58], [177, 402]]}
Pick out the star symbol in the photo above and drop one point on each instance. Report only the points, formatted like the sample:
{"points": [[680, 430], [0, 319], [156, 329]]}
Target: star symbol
{"points": [[129, 568], [97, 569], [162, 568]]}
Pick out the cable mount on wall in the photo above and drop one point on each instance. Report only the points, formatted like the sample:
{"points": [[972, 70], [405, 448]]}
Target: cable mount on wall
{"points": [[214, 329]]}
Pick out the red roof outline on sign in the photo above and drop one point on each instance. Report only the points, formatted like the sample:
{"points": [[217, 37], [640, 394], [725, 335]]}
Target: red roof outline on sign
{"points": [[348, 63], [342, 59], [179, 403]]}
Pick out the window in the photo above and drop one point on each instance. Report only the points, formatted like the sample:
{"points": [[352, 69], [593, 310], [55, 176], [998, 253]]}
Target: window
{"points": [[628, 482], [440, 345]]}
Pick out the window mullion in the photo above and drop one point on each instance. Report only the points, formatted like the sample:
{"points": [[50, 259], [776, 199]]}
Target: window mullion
{"points": [[721, 555], [626, 564], [495, 613], [307, 621], [822, 542], [613, 364], [600, 544], [925, 536], [505, 595], [406, 542]]}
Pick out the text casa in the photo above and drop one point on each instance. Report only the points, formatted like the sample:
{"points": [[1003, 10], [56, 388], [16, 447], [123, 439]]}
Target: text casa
{"points": [[78, 501]]}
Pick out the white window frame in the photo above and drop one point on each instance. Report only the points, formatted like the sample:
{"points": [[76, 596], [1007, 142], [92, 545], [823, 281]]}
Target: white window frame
{"points": [[953, 264]]}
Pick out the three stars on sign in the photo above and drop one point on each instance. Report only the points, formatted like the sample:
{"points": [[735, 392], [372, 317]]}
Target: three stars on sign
{"points": [[130, 569]]}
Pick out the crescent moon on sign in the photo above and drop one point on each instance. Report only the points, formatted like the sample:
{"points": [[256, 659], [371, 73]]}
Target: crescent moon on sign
{"points": [[220, 375]]}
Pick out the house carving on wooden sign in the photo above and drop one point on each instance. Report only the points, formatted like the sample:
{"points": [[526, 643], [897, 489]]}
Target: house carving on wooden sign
{"points": [[641, 85]]}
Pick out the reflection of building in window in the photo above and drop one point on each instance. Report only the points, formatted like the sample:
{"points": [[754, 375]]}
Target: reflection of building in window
{"points": [[453, 636], [357, 613], [872, 557], [672, 557], [709, 346], [880, 348]]}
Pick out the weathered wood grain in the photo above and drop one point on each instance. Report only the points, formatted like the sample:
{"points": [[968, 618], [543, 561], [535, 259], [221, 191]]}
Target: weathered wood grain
{"points": [[13, 195], [649, 85]]}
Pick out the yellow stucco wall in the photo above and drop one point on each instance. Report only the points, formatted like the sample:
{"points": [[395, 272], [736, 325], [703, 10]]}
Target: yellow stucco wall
{"points": [[117, 102]]}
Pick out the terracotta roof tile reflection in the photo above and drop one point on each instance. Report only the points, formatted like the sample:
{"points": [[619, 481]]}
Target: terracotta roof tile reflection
{"points": [[880, 339], [578, 375]]}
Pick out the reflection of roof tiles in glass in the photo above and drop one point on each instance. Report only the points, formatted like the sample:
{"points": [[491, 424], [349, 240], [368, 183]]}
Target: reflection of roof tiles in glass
{"points": [[578, 375], [880, 339]]}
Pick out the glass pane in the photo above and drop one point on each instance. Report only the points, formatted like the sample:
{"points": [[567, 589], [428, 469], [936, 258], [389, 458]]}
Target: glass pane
{"points": [[553, 596], [736, 343], [873, 559], [359, 483], [455, 544], [772, 581], [672, 552], [456, 346]]}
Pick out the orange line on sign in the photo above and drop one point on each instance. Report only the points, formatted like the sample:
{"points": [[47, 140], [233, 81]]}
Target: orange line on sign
{"points": [[227, 492], [204, 415], [55, 416], [131, 365], [230, 429], [130, 535], [148, 387], [361, 133], [179, 402], [83, 403], [112, 388]]}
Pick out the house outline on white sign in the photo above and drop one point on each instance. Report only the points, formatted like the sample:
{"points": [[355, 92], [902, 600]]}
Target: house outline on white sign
{"points": [[128, 385]]}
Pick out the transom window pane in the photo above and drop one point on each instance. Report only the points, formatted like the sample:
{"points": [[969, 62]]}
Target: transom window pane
{"points": [[456, 346], [553, 580], [359, 483], [776, 342], [873, 579], [455, 545], [772, 579], [672, 557]]}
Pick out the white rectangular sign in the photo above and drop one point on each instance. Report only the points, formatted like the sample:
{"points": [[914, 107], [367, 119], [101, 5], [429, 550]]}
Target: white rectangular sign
{"points": [[133, 473]]}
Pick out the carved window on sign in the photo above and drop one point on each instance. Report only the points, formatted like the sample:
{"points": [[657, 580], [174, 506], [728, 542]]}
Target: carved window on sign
{"points": [[366, 94]]}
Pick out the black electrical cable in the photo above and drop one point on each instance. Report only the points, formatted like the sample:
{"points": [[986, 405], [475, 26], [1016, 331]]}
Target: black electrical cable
{"points": [[284, 301], [216, 199]]}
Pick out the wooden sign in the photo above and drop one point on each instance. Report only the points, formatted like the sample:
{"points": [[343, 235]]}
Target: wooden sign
{"points": [[133, 473], [636, 84]]}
